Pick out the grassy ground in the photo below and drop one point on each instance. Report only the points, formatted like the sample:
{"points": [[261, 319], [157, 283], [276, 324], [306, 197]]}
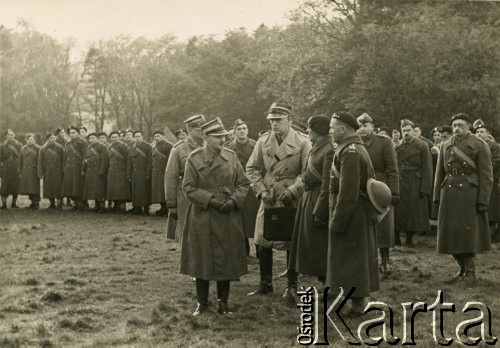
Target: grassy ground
{"points": [[83, 279]]}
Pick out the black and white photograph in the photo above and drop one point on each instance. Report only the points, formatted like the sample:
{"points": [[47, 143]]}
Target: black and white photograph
{"points": [[250, 173]]}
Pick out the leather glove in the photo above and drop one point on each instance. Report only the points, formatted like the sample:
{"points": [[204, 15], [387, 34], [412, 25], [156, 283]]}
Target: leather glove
{"points": [[481, 208], [173, 213], [266, 198], [228, 206], [319, 222], [215, 203], [395, 199], [287, 198]]}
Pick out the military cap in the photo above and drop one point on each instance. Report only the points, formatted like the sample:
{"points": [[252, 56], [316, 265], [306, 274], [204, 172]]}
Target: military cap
{"points": [[158, 132], [478, 124], [446, 129], [383, 129], [177, 132], [214, 127], [128, 131], [347, 118], [319, 124], [238, 123], [73, 128], [82, 127], [364, 118], [91, 134], [195, 120], [279, 110], [100, 134], [461, 116], [136, 131], [57, 131], [436, 130], [406, 122], [114, 132]]}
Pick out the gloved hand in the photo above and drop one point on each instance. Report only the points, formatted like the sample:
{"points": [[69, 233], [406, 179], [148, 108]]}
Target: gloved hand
{"points": [[173, 213], [287, 198], [228, 206], [319, 222], [395, 199], [266, 198], [481, 208], [215, 203]]}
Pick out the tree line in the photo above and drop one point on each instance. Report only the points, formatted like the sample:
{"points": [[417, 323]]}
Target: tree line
{"points": [[423, 60]]}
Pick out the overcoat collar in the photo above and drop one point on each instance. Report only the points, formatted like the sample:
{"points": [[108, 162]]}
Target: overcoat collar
{"points": [[288, 146]]}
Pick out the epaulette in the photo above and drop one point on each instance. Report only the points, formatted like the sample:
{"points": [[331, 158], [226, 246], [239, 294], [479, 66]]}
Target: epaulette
{"points": [[195, 151], [264, 134], [228, 150], [179, 142]]}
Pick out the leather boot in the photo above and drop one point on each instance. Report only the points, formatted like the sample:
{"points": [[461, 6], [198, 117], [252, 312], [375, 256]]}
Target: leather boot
{"points": [[52, 203], [290, 294], [222, 296], [202, 287], [14, 202], [145, 210], [357, 308], [409, 239], [469, 277], [266, 272], [384, 255], [460, 273], [59, 203], [285, 272], [4, 202]]}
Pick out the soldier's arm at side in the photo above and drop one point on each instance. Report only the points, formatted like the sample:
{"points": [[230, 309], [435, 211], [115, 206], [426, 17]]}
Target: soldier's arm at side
{"points": [[426, 182], [349, 186], [485, 172], [190, 186], [321, 206], [255, 168], [171, 179]]}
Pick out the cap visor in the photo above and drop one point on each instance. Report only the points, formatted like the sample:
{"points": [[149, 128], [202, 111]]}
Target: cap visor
{"points": [[276, 116]]}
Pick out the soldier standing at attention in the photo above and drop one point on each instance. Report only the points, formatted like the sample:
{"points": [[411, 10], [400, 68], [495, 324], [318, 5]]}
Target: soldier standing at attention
{"points": [[415, 183], [243, 146], [9, 158], [95, 170], [139, 174], [274, 169], [73, 181], [29, 182], [383, 157], [464, 179], [174, 173], [118, 184], [50, 168], [161, 152]]}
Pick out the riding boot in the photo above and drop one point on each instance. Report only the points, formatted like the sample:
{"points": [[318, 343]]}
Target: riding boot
{"points": [[52, 203], [469, 277], [202, 287], [460, 260], [409, 239], [290, 294], [285, 272], [14, 201], [384, 255], [357, 308], [266, 272], [222, 296]]}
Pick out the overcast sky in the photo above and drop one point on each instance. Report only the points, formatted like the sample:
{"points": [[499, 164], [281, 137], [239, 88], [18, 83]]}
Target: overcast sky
{"points": [[88, 20]]}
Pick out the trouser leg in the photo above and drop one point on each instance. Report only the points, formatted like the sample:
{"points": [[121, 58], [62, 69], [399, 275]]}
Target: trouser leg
{"points": [[222, 296], [202, 287]]}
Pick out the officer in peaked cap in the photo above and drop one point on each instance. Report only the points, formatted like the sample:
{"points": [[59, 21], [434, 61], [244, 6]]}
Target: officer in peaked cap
{"points": [[161, 152], [176, 202], [215, 185], [274, 169]]}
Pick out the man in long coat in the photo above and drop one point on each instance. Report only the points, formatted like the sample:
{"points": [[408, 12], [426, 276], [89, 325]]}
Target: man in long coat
{"points": [[464, 179], [482, 131], [161, 152], [274, 169], [29, 182], [174, 172], [139, 174], [73, 181], [50, 168], [415, 183], [352, 246], [213, 246], [383, 157], [9, 158], [243, 146], [309, 245], [95, 169], [118, 185]]}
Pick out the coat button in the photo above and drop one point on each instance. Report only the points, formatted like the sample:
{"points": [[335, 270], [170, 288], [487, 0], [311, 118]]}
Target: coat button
{"points": [[460, 185], [449, 185]]}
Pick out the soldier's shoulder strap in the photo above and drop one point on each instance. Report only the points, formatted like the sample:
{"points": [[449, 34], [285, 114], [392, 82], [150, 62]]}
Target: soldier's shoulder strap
{"points": [[464, 156], [195, 151], [228, 150], [179, 143]]}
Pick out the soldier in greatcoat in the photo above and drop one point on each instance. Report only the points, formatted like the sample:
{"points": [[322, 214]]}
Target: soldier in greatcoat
{"points": [[243, 146], [464, 179], [383, 157], [415, 183], [482, 131], [118, 185], [274, 170], [95, 170], [352, 245], [9, 158], [27, 168], [161, 152], [309, 245], [174, 173], [139, 174], [50, 168], [62, 138], [73, 181], [213, 246]]}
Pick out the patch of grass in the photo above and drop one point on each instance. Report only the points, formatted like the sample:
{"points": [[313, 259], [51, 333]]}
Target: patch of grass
{"points": [[31, 282], [52, 297]]}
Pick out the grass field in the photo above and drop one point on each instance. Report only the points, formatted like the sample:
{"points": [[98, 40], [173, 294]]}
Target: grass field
{"points": [[90, 279]]}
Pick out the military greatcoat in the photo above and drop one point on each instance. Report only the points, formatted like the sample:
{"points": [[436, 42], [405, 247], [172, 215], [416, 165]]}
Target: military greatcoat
{"points": [[251, 204], [494, 207], [463, 182], [174, 174], [118, 184], [384, 163], [415, 184], [309, 245], [73, 181], [213, 244], [9, 157], [139, 173], [50, 168], [27, 169], [95, 167], [161, 152], [352, 245], [275, 167]]}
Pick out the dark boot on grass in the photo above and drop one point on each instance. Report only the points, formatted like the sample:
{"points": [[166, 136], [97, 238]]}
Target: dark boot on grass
{"points": [[266, 272]]}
